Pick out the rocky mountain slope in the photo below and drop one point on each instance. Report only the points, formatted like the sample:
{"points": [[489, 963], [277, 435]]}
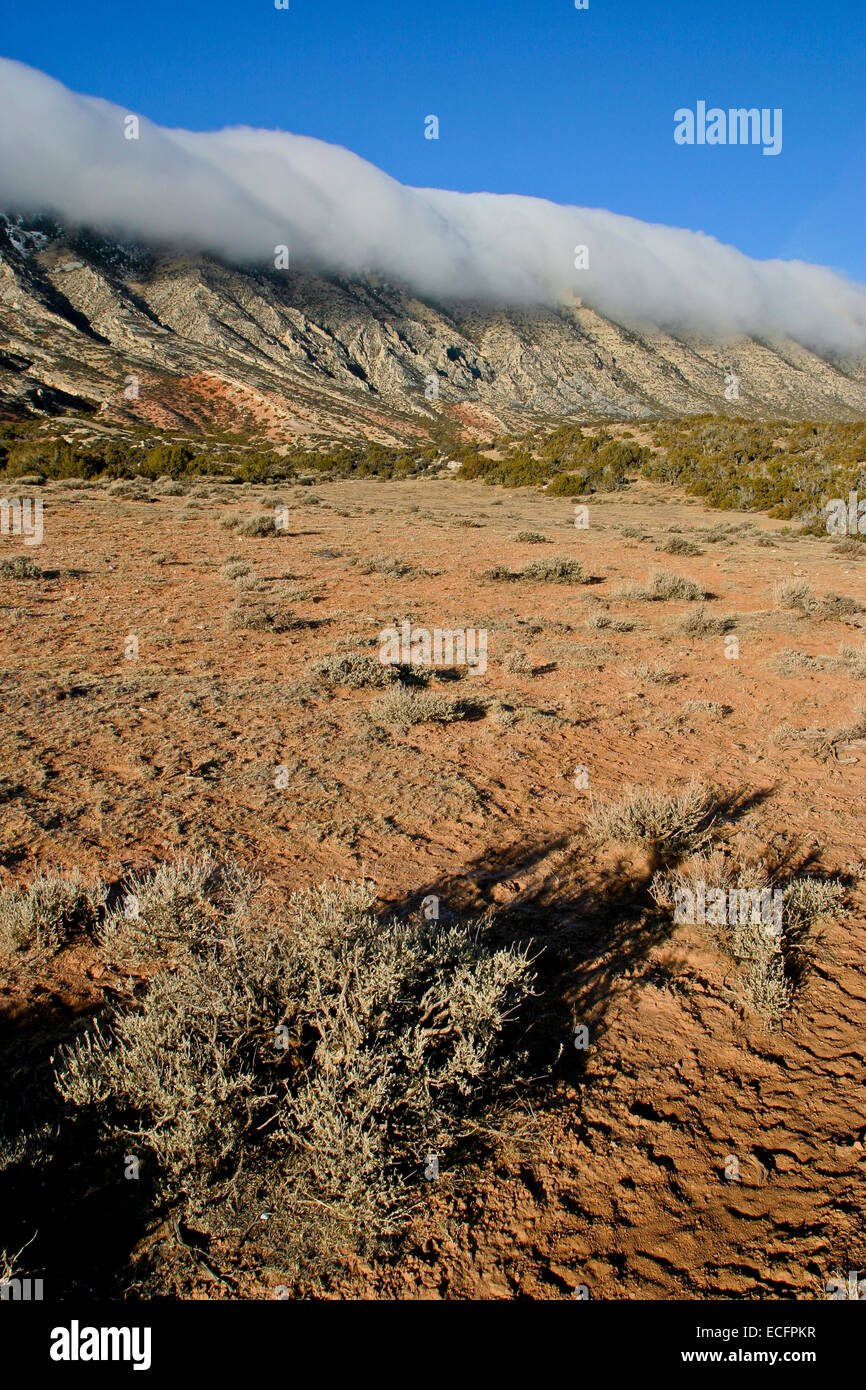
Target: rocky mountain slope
{"points": [[186, 342]]}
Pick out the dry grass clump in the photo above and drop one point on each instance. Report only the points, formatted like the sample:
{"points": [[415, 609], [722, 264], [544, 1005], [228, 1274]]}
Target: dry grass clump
{"points": [[129, 490], [172, 908], [793, 593], [713, 707], [824, 743], [556, 570], [700, 623], [662, 585], [322, 1053], [856, 729], [76, 484], [671, 821], [294, 593], [235, 569], [856, 658], [679, 545], [789, 662], [19, 567], [717, 535], [25, 480], [655, 674], [806, 900], [713, 867], [518, 664], [767, 989], [531, 538], [502, 714], [774, 953], [833, 606], [385, 564], [402, 708], [796, 594], [597, 621], [356, 670], [258, 617], [264, 524], [48, 914]]}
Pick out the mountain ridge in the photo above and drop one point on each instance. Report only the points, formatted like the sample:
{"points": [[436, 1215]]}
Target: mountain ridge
{"points": [[314, 357]]}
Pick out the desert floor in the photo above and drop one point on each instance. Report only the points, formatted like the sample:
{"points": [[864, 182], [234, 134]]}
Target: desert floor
{"points": [[219, 733]]}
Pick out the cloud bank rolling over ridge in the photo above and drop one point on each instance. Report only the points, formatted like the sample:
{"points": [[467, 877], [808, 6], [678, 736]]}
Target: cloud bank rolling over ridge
{"points": [[239, 193]]}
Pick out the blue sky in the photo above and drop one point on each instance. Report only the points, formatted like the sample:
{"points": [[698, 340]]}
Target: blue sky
{"points": [[536, 97]]}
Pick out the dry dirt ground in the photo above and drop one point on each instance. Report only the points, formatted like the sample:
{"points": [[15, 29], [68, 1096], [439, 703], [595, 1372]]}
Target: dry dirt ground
{"points": [[112, 763]]}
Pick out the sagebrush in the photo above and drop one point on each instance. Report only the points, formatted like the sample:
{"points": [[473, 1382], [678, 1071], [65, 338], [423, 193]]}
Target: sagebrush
{"points": [[321, 1049]]}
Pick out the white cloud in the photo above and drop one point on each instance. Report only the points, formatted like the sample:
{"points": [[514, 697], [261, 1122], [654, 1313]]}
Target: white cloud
{"points": [[240, 192]]}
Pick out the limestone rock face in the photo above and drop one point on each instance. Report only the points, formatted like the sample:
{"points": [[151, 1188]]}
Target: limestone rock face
{"points": [[184, 341]]}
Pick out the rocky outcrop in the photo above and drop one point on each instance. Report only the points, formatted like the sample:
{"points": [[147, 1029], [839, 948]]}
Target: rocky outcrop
{"points": [[187, 342]]}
